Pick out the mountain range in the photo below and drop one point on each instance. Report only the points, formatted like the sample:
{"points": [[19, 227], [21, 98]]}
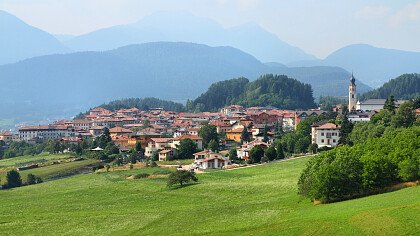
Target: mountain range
{"points": [[19, 40], [172, 71], [185, 27], [372, 65]]}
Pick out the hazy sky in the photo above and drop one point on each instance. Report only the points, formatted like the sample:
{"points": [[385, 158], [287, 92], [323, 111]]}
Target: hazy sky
{"points": [[317, 26]]}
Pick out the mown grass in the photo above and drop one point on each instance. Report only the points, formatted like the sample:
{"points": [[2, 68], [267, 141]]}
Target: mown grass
{"points": [[55, 171], [26, 160], [261, 200]]}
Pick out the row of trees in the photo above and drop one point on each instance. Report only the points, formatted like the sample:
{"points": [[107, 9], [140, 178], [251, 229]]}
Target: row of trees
{"points": [[378, 153], [13, 179]]}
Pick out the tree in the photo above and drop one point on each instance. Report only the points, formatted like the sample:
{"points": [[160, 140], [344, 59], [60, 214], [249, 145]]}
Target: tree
{"points": [[245, 137], [30, 179], [181, 177], [405, 116], [233, 155], [266, 138], [186, 149], [146, 123], [313, 148], [104, 138], [155, 156], [213, 145], [345, 130], [390, 104], [279, 151], [256, 153], [111, 148], [208, 132], [79, 116], [270, 153], [278, 131], [13, 179]]}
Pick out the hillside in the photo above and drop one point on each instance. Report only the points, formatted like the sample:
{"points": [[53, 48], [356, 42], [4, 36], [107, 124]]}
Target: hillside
{"points": [[371, 65], [19, 40], [63, 85], [268, 90], [406, 86], [257, 200], [143, 104], [185, 27]]}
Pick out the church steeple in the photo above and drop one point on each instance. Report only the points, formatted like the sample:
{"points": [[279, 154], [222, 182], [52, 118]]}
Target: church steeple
{"points": [[352, 94]]}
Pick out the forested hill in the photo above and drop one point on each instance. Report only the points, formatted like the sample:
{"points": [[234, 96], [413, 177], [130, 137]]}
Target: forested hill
{"points": [[143, 104], [406, 86], [269, 90]]}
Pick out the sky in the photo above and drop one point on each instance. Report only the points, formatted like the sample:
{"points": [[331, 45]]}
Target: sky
{"points": [[319, 27]]}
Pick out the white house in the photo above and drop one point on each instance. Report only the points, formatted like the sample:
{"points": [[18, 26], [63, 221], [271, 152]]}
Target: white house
{"points": [[208, 159], [326, 135], [156, 144]]}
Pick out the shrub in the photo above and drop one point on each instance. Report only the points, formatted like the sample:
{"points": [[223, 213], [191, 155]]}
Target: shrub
{"points": [[141, 176]]}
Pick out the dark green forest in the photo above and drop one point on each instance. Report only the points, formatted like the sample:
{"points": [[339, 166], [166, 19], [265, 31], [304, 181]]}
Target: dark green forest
{"points": [[269, 90], [143, 104], [406, 86]]}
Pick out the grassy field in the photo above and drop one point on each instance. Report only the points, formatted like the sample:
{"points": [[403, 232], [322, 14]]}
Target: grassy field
{"points": [[54, 171], [25, 160], [252, 201]]}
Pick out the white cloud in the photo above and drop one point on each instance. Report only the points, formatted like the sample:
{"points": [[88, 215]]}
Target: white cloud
{"points": [[410, 13], [247, 4], [372, 12]]}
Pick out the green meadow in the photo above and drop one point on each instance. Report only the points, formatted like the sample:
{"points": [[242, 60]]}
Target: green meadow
{"points": [[261, 200], [26, 160], [49, 167]]}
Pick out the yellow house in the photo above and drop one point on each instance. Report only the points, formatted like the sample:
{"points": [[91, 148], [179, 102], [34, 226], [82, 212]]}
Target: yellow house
{"points": [[234, 134]]}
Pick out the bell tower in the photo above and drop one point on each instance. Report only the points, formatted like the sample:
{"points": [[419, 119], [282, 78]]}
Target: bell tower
{"points": [[352, 94]]}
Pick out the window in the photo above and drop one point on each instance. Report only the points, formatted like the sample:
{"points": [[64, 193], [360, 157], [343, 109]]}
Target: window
{"points": [[322, 140], [322, 134]]}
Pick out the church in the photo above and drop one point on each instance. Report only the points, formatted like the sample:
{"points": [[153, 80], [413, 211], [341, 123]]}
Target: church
{"points": [[367, 105]]}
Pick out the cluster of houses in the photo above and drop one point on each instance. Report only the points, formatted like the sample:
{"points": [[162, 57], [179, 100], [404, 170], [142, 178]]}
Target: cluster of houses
{"points": [[159, 131]]}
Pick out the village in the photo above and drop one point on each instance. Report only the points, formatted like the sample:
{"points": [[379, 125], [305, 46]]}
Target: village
{"points": [[160, 132]]}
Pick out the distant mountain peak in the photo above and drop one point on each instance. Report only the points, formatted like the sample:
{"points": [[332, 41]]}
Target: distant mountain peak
{"points": [[184, 26]]}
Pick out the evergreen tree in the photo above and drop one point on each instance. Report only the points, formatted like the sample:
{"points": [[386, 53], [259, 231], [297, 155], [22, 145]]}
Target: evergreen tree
{"points": [[13, 179], [390, 104], [266, 138], [279, 151], [245, 136], [270, 153], [278, 131], [345, 130]]}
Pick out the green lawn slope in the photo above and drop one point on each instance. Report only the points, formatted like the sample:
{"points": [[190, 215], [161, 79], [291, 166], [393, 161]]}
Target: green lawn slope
{"points": [[260, 200]]}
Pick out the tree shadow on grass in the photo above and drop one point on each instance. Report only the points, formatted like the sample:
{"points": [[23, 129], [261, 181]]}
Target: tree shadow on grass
{"points": [[175, 187]]}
